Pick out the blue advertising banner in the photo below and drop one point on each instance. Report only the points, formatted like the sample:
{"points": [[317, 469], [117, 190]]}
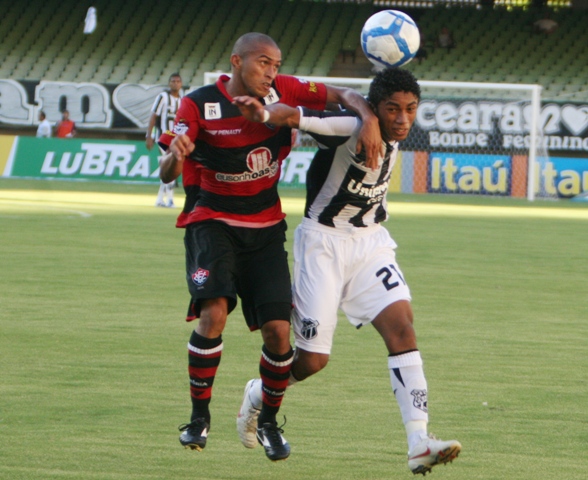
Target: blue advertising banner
{"points": [[466, 173], [564, 177]]}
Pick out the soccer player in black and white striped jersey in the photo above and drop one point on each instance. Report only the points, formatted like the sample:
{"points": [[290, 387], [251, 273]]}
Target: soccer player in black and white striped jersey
{"points": [[162, 117], [344, 258]]}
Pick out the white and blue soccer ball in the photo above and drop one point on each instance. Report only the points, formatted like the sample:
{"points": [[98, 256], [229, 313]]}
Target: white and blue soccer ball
{"points": [[390, 38]]}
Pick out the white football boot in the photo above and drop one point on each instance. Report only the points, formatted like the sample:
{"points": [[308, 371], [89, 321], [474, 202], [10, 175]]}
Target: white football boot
{"points": [[431, 451], [247, 417]]}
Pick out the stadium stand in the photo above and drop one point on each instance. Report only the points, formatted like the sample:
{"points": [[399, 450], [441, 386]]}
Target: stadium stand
{"points": [[143, 41], [503, 48]]}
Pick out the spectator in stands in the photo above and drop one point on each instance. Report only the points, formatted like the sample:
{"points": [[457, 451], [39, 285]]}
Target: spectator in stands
{"points": [[66, 128], [162, 118], [545, 25], [90, 21], [422, 51], [44, 128], [445, 39]]}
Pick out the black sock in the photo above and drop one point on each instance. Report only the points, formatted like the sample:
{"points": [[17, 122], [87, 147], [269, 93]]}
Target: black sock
{"points": [[275, 372], [204, 355]]}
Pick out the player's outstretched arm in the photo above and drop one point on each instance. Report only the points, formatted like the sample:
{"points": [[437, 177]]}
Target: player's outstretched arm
{"points": [[277, 114], [149, 142], [370, 138], [172, 164]]}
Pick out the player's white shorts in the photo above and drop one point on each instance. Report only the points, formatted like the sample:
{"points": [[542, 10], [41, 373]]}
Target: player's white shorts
{"points": [[356, 272]]}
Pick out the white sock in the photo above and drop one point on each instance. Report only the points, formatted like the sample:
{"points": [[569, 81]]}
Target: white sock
{"points": [[410, 388], [416, 430], [169, 190], [161, 193], [292, 380]]}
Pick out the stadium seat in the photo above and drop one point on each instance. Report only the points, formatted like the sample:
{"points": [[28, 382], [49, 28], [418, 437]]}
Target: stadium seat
{"points": [[146, 40]]}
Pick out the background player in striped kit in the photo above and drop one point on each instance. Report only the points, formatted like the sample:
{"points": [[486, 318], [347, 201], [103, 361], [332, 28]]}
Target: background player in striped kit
{"points": [[162, 117], [235, 229], [344, 258]]}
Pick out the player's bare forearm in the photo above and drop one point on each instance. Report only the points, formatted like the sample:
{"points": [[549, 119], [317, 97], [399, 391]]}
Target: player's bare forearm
{"points": [[172, 164], [279, 114], [370, 138], [170, 168]]}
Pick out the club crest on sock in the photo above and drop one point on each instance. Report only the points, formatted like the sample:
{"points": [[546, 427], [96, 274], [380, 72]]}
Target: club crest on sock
{"points": [[420, 399]]}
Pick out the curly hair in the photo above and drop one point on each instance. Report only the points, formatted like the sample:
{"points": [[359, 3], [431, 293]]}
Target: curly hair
{"points": [[392, 80]]}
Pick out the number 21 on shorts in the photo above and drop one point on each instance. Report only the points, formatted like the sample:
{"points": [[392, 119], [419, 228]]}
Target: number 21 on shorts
{"points": [[389, 275]]}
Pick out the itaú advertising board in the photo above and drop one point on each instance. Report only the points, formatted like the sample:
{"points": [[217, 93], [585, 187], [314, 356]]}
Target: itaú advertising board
{"points": [[461, 173], [80, 159], [506, 175]]}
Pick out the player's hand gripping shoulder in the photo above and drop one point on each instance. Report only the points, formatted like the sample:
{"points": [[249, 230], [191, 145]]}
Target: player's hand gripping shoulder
{"points": [[276, 114], [370, 137], [173, 162]]}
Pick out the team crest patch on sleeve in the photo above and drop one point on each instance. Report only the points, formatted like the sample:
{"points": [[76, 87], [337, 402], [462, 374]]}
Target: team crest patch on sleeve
{"points": [[420, 399], [309, 328], [200, 276], [180, 128]]}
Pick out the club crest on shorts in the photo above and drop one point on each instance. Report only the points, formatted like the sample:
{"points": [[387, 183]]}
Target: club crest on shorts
{"points": [[309, 328], [420, 399], [200, 276]]}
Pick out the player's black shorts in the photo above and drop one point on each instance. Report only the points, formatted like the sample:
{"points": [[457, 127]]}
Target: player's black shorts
{"points": [[226, 261]]}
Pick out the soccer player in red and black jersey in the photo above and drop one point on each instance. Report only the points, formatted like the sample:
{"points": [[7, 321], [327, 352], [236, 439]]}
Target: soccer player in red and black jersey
{"points": [[235, 228]]}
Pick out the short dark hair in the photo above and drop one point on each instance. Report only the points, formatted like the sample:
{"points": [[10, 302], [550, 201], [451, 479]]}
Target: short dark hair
{"points": [[248, 42], [392, 80], [174, 75]]}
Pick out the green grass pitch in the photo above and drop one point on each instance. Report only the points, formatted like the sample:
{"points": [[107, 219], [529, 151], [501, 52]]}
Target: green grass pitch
{"points": [[93, 380]]}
